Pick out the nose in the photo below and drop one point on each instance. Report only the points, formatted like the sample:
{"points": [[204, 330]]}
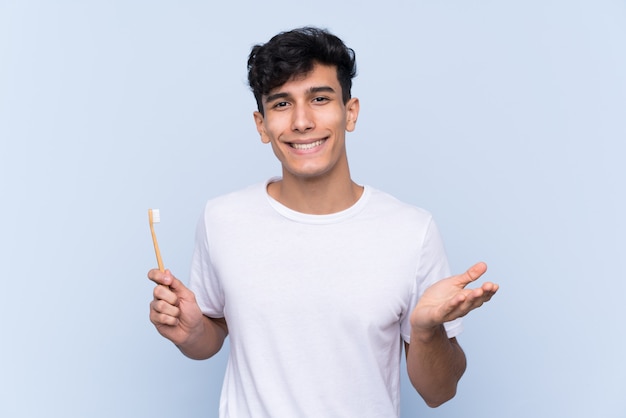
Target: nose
{"points": [[302, 119]]}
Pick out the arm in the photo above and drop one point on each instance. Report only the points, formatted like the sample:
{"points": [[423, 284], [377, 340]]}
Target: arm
{"points": [[177, 316], [435, 366], [436, 363]]}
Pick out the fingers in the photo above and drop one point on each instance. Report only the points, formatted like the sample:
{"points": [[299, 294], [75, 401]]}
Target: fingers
{"points": [[165, 294], [164, 308], [471, 299], [166, 278], [490, 289], [163, 313]]}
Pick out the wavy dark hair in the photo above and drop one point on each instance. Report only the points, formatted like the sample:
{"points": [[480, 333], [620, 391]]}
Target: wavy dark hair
{"points": [[295, 52]]}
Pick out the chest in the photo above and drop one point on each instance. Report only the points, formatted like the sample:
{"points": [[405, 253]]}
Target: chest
{"points": [[352, 276]]}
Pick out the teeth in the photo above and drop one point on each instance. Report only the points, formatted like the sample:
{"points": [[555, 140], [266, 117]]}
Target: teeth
{"points": [[308, 146]]}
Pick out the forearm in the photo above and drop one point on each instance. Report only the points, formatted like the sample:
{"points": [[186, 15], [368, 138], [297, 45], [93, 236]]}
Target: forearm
{"points": [[206, 341], [435, 364]]}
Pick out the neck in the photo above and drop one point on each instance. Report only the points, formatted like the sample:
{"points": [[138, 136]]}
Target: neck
{"points": [[316, 196]]}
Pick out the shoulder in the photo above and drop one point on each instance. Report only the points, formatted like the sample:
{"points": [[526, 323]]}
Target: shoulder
{"points": [[388, 205], [237, 197], [238, 203]]}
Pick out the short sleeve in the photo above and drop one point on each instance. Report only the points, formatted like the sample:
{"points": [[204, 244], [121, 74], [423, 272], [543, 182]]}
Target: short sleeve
{"points": [[432, 267], [204, 282]]}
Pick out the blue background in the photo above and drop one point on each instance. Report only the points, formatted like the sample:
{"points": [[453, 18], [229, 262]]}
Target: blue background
{"points": [[505, 119]]}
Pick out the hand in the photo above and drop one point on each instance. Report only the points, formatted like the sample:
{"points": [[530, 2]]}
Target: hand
{"points": [[448, 299], [174, 310]]}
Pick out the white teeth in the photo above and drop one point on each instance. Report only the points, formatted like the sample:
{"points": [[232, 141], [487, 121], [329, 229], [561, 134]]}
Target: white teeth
{"points": [[308, 146]]}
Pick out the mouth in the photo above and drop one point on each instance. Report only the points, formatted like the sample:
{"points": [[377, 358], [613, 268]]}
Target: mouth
{"points": [[307, 146]]}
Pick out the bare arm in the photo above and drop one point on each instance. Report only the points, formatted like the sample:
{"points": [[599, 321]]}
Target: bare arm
{"points": [[435, 363], [435, 366], [177, 316]]}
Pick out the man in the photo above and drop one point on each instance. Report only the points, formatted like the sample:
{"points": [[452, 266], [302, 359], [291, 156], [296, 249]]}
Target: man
{"points": [[317, 279]]}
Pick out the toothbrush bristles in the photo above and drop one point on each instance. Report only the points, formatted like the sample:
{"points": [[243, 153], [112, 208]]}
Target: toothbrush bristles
{"points": [[156, 216]]}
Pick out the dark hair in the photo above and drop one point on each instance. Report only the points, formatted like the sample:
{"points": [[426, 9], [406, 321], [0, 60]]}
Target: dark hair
{"points": [[294, 53]]}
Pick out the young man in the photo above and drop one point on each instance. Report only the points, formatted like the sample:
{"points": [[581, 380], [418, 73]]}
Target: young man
{"points": [[317, 279]]}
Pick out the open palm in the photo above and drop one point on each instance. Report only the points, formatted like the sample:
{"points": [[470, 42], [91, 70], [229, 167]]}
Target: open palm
{"points": [[448, 299]]}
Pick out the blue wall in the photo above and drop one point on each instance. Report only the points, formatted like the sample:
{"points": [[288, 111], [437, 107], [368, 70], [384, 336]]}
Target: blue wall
{"points": [[507, 120]]}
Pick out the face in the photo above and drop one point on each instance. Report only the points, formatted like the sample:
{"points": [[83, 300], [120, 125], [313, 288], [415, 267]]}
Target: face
{"points": [[306, 122]]}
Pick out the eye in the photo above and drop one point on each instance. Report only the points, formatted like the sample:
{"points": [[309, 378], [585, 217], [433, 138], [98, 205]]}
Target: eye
{"points": [[279, 105], [320, 99]]}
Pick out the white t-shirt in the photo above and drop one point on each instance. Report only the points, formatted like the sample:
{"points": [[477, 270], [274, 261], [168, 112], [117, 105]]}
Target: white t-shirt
{"points": [[317, 306]]}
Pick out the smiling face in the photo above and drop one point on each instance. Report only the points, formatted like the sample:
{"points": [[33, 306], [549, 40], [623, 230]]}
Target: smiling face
{"points": [[305, 120]]}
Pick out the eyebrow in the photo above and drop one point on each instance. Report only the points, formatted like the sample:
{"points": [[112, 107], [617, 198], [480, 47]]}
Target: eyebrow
{"points": [[282, 95]]}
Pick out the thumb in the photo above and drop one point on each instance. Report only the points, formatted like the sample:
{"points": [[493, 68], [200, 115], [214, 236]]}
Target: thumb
{"points": [[473, 273]]}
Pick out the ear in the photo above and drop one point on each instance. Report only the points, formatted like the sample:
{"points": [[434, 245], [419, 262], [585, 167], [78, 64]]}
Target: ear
{"points": [[352, 113], [260, 127]]}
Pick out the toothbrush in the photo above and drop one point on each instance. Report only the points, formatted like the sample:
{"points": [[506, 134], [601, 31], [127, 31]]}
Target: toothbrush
{"points": [[155, 217]]}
